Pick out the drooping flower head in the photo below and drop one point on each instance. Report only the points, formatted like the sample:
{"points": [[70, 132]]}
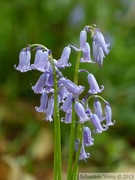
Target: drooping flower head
{"points": [[83, 155], [87, 139], [97, 124], [94, 87], [98, 109], [83, 39], [80, 111], [108, 115], [98, 37], [41, 60], [86, 54], [98, 53], [63, 61], [71, 87], [43, 103], [49, 110], [68, 117], [24, 60]]}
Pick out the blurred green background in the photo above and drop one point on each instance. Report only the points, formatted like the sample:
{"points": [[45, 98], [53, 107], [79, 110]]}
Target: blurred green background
{"points": [[26, 141]]}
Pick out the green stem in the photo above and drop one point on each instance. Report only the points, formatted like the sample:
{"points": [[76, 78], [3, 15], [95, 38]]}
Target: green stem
{"points": [[95, 97], [71, 149], [57, 132], [80, 136], [73, 124], [33, 45], [77, 68]]}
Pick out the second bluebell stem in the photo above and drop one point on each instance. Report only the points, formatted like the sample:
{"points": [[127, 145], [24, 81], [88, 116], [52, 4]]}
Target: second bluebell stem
{"points": [[57, 131]]}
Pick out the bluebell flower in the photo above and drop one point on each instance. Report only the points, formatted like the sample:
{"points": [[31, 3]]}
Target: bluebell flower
{"points": [[63, 61], [83, 38], [40, 60], [24, 60], [94, 87], [46, 79], [63, 92], [80, 111], [67, 103], [43, 103], [39, 86], [108, 115], [68, 117], [87, 139], [98, 53], [86, 107], [86, 54], [83, 155], [71, 87], [100, 40], [98, 109], [49, 80], [97, 124], [50, 109]]}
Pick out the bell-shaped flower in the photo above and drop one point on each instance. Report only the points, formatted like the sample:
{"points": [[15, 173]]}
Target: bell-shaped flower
{"points": [[68, 117], [99, 38], [43, 103], [83, 155], [94, 87], [86, 54], [87, 139], [46, 79], [98, 109], [40, 60], [24, 60], [97, 124], [98, 53], [80, 111], [49, 84], [67, 103], [49, 110], [87, 108], [71, 87], [63, 61], [83, 38], [108, 115], [39, 86], [62, 91]]}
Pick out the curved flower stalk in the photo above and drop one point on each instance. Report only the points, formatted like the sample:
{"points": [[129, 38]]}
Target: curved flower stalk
{"points": [[60, 93]]}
